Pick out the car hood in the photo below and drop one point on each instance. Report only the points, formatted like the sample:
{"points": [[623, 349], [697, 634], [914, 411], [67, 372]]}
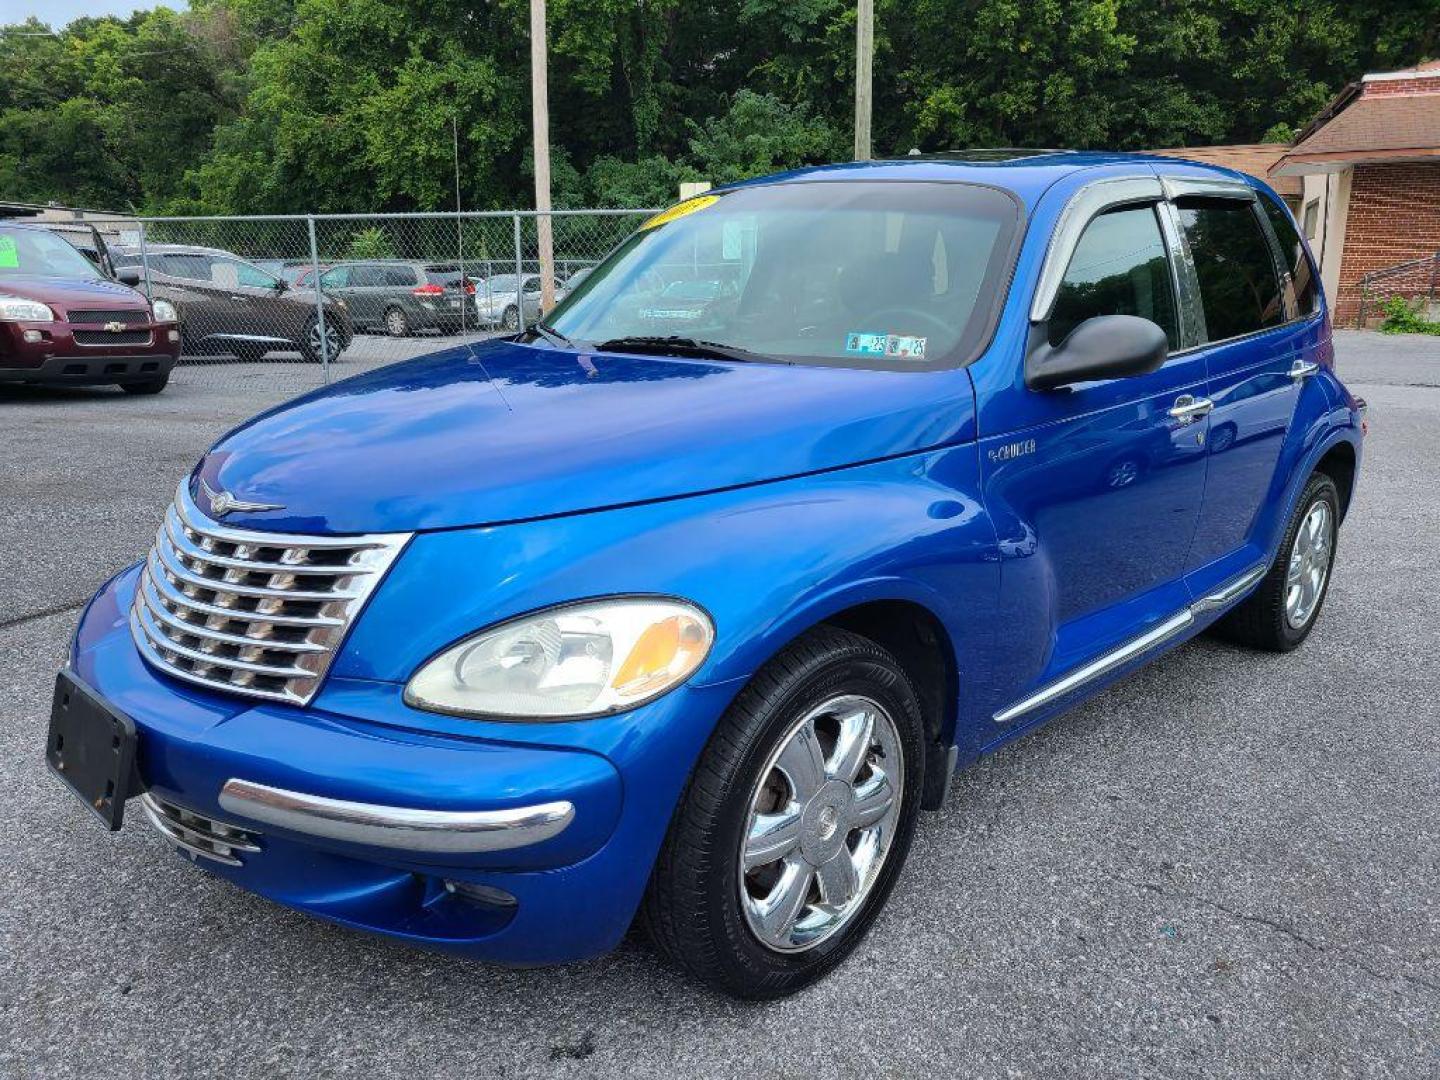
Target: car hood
{"points": [[68, 292], [506, 432]]}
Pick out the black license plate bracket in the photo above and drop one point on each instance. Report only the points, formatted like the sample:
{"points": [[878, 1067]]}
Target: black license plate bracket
{"points": [[91, 747]]}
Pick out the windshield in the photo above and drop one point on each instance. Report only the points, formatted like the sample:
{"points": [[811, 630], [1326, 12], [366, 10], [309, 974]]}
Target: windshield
{"points": [[34, 251], [875, 274]]}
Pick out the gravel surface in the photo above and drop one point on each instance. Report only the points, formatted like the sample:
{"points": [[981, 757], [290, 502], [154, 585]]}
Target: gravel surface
{"points": [[1228, 864]]}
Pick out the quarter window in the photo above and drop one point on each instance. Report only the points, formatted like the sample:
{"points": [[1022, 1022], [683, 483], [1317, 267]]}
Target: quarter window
{"points": [[1119, 268], [1300, 287], [1239, 288]]}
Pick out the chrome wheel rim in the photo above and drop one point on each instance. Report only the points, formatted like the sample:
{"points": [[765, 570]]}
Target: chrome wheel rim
{"points": [[820, 823], [331, 348], [395, 323], [1309, 564]]}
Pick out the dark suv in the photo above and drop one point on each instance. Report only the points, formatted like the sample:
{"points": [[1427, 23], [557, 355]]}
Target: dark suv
{"points": [[63, 321], [402, 297], [232, 306]]}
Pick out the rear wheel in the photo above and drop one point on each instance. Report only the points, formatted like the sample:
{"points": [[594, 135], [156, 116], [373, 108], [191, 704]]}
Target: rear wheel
{"points": [[796, 822], [397, 324], [149, 386], [1280, 614], [511, 318]]}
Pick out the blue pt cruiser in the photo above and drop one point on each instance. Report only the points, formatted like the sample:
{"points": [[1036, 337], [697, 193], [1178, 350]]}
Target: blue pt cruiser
{"points": [[683, 605]]}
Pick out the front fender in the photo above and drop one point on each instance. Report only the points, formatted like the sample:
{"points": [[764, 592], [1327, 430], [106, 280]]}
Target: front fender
{"points": [[767, 562]]}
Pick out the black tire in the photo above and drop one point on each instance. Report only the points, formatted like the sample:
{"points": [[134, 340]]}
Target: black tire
{"points": [[511, 319], [149, 386], [692, 908], [397, 323], [1261, 620], [310, 344]]}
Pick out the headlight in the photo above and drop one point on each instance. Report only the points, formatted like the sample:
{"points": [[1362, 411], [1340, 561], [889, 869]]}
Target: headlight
{"points": [[18, 309], [586, 659], [164, 311]]}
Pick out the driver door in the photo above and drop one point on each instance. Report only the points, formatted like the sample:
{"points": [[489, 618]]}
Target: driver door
{"points": [[1096, 488]]}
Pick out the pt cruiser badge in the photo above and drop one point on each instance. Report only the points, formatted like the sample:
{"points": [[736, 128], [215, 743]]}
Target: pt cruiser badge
{"points": [[222, 503], [682, 605]]}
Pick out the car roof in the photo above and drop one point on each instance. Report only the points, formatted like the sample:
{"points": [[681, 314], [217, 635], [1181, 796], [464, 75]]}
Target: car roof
{"points": [[1025, 173]]}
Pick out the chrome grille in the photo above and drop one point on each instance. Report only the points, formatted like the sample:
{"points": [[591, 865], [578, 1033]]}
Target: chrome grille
{"points": [[256, 613], [196, 834]]}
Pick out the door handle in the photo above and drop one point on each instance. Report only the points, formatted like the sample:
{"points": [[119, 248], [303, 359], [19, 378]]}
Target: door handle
{"points": [[1188, 408], [238, 299], [1303, 369]]}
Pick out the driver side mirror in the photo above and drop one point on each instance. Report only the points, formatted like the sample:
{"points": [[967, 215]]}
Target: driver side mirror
{"points": [[128, 275], [1105, 347]]}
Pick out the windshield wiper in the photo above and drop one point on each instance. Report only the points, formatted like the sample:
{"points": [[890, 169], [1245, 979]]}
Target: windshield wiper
{"points": [[552, 335], [675, 345]]}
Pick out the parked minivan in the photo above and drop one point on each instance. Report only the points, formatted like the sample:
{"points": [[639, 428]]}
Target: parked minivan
{"points": [[64, 320], [683, 605], [401, 297]]}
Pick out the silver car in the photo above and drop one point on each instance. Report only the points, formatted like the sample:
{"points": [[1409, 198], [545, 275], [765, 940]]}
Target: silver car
{"points": [[498, 303]]}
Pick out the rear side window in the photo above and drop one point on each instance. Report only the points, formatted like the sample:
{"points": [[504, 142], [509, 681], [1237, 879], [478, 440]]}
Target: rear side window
{"points": [[1239, 288], [1300, 288], [1119, 268], [398, 276]]}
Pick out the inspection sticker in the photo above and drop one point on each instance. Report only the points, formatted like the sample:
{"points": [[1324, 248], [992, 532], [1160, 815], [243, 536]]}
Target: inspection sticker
{"points": [[866, 344], [9, 255], [679, 210], [905, 347]]}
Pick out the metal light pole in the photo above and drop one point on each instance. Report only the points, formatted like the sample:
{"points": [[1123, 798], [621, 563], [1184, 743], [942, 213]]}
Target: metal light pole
{"points": [[864, 65], [540, 123]]}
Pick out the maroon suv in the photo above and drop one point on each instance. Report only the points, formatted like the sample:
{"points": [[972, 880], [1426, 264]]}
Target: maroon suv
{"points": [[62, 321]]}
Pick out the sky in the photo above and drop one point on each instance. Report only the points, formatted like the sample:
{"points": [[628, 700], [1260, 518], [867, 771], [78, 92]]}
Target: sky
{"points": [[60, 12]]}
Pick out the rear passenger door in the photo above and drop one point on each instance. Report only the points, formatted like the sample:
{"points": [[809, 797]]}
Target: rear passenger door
{"points": [[1253, 336]]}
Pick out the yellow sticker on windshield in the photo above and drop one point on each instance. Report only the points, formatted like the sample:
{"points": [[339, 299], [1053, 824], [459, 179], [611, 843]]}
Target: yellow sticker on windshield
{"points": [[9, 255], [679, 210]]}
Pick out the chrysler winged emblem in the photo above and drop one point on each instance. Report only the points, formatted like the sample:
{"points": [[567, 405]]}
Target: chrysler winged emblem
{"points": [[222, 503], [115, 327]]}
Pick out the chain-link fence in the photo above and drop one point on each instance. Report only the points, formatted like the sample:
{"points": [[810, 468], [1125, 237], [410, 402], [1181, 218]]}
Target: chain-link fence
{"points": [[390, 286]]}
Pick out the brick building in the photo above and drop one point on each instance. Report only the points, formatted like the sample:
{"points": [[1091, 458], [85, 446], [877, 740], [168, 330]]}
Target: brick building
{"points": [[1369, 166]]}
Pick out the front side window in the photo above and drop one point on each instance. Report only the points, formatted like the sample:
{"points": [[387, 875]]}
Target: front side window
{"points": [[36, 252], [1300, 287], [1120, 267], [900, 275], [1239, 289]]}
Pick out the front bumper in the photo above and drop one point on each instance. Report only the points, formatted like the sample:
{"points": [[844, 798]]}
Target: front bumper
{"points": [[57, 358], [506, 851]]}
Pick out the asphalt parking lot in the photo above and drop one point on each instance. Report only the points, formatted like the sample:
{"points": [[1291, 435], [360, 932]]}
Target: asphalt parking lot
{"points": [[1228, 864]]}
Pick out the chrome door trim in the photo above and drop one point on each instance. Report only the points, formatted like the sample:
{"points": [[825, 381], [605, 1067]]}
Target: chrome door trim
{"points": [[404, 828], [1101, 665], [1226, 593], [1083, 207], [1301, 370]]}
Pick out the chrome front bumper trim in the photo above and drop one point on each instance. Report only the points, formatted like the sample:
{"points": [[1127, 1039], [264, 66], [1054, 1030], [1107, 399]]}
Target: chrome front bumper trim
{"points": [[449, 832]]}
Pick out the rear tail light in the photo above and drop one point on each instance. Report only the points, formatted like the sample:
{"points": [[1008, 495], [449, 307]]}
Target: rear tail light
{"points": [[428, 290], [469, 288]]}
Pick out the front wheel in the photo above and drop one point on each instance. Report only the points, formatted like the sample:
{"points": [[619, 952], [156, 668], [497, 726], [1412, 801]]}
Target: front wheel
{"points": [[796, 821], [511, 318], [1280, 614], [396, 323], [333, 344]]}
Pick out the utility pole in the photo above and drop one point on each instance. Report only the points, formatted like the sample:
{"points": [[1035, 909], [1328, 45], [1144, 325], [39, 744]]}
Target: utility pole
{"points": [[540, 123], [864, 65]]}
